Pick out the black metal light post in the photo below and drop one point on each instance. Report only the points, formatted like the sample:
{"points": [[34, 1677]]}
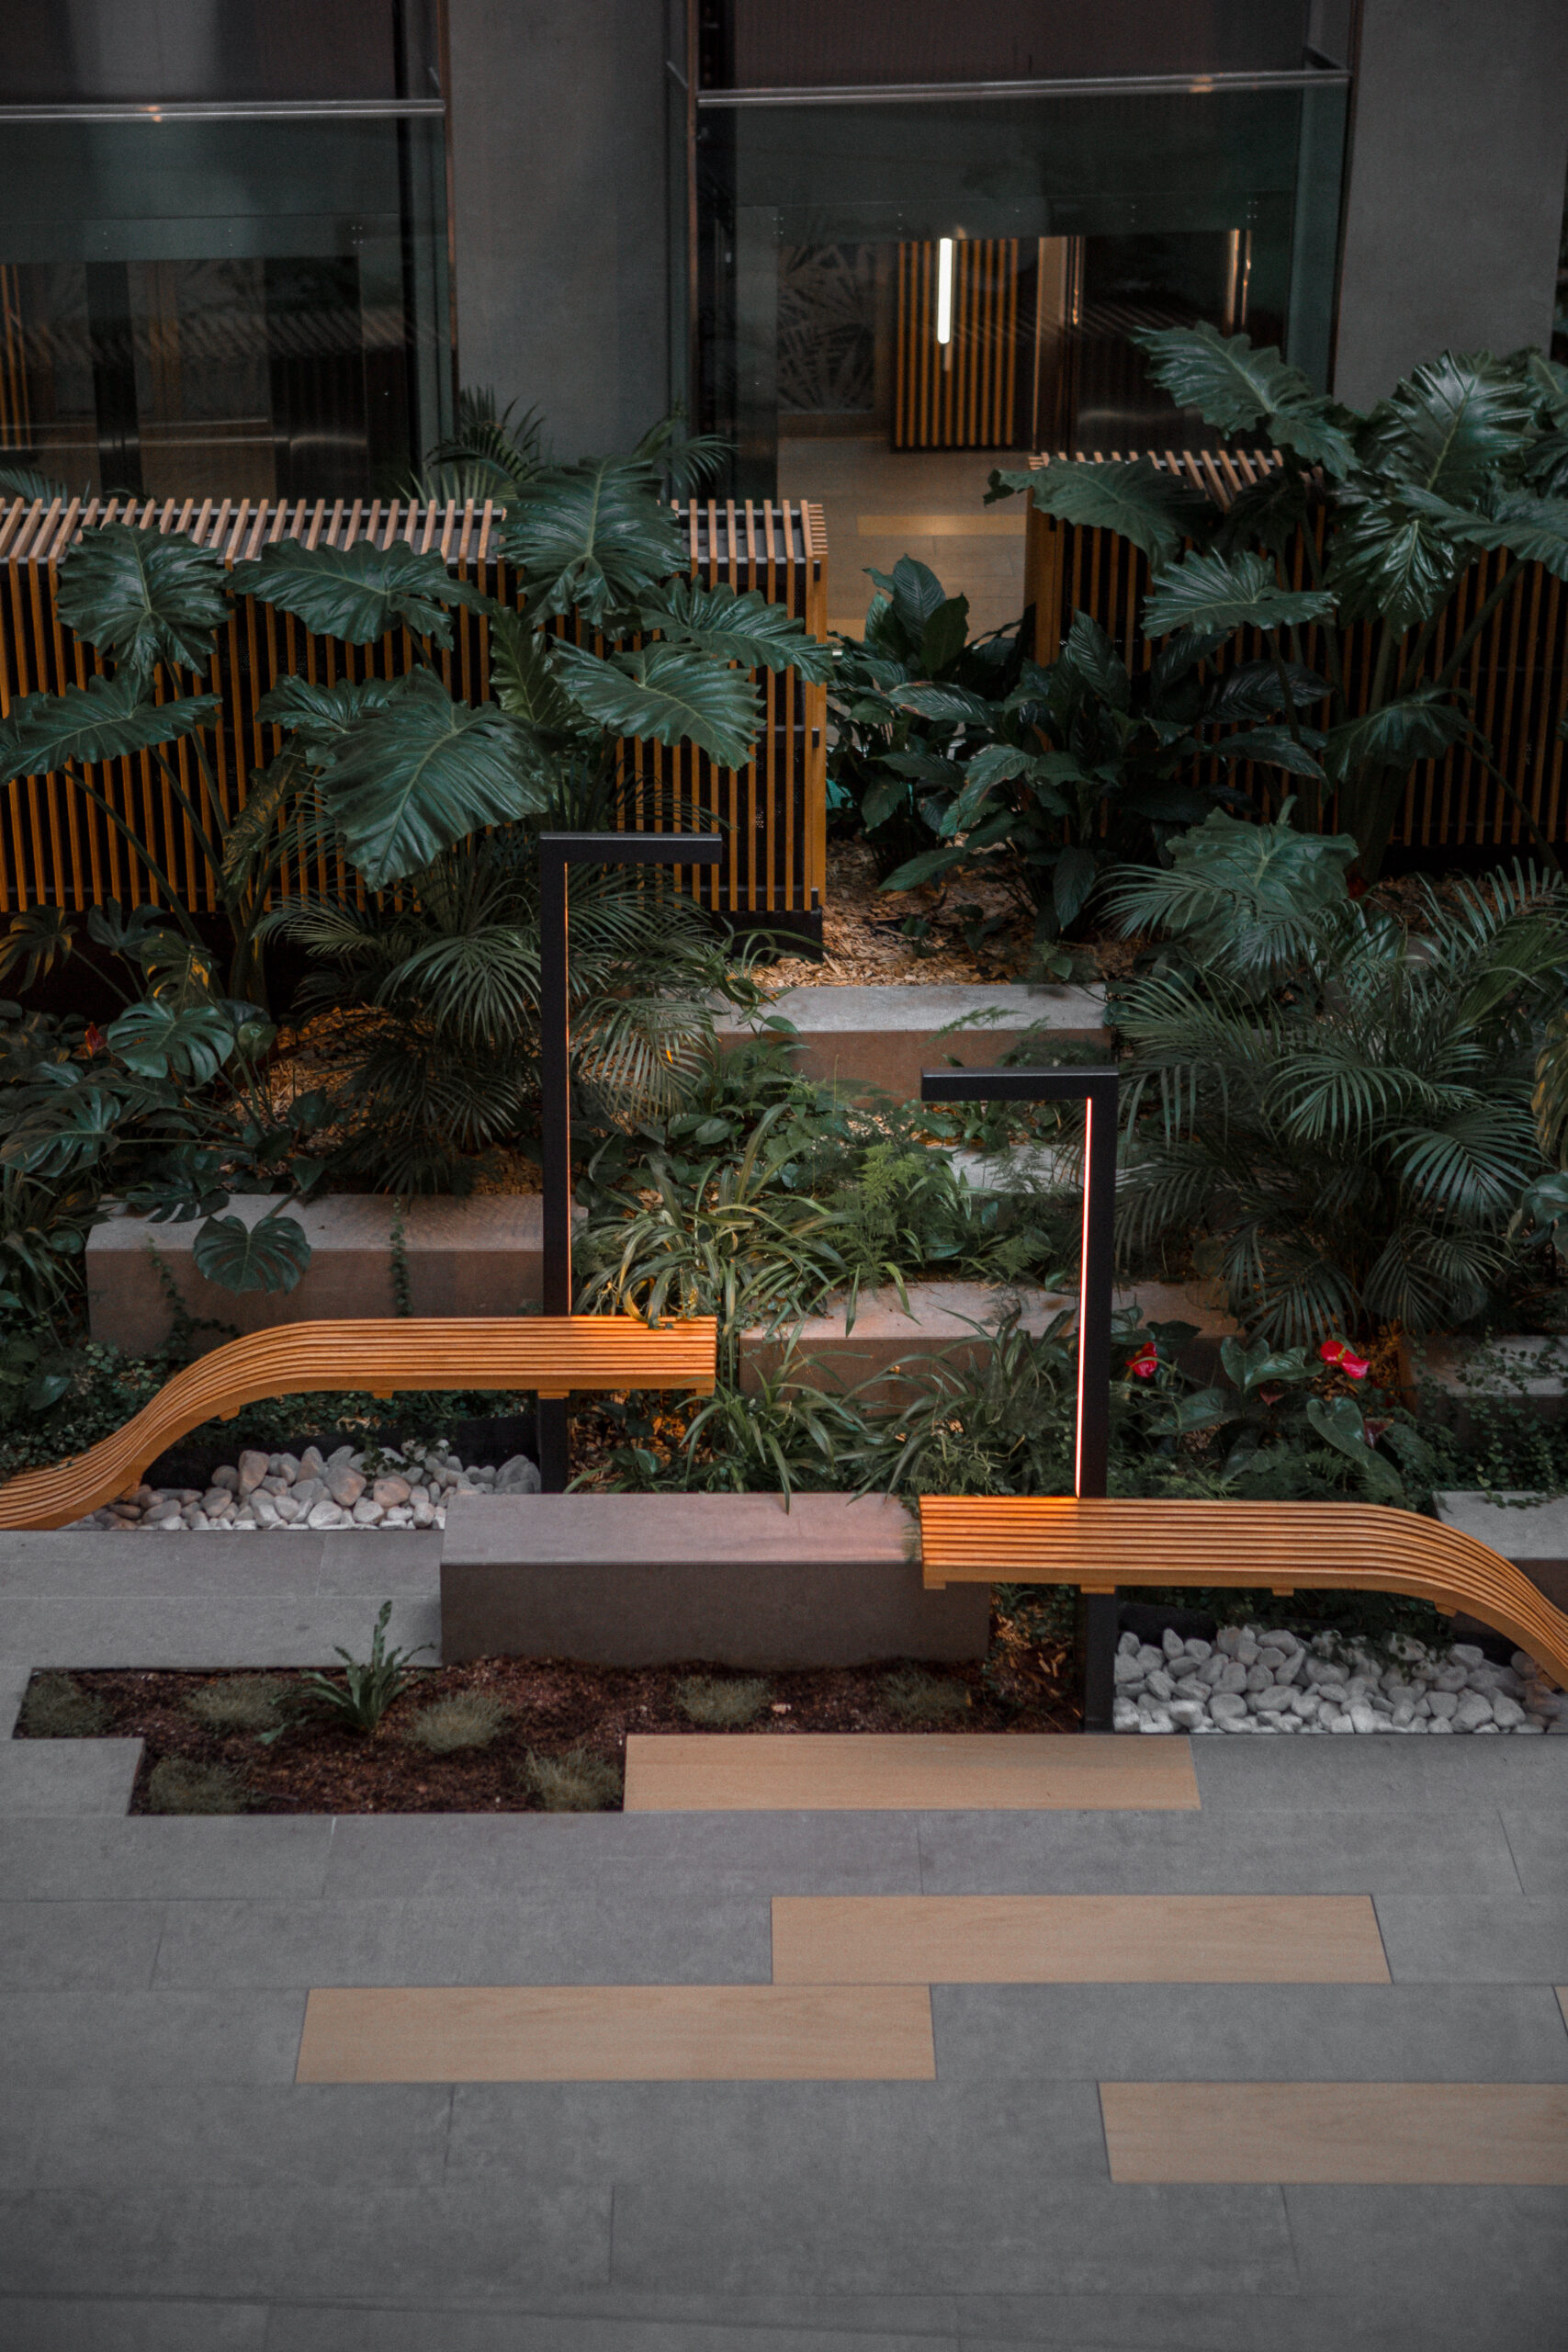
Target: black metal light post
{"points": [[1097, 1088], [558, 852]]}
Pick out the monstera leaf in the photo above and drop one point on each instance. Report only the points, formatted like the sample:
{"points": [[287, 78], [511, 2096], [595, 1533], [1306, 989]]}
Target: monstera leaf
{"points": [[359, 593], [1212, 591], [1130, 495], [159, 1040], [668, 693], [270, 1255], [1238, 389], [105, 720], [744, 628], [423, 771], [142, 597], [592, 539]]}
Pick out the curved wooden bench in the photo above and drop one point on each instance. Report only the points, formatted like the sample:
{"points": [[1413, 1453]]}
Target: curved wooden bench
{"points": [[1359, 1548], [550, 1354]]}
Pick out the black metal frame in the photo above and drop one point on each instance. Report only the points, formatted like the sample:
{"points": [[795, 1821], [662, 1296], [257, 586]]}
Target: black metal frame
{"points": [[558, 852], [1097, 1089]]}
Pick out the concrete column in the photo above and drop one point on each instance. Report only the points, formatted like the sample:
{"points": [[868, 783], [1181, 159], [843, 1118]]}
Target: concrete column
{"points": [[1459, 157], [559, 170]]}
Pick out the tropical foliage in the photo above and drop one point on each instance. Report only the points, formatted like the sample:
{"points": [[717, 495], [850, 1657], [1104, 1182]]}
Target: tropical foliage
{"points": [[1392, 508]]}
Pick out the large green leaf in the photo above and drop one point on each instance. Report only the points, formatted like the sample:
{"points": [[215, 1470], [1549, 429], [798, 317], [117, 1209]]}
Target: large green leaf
{"points": [[1129, 495], [270, 1255], [953, 704], [1420, 727], [1386, 563], [1211, 591], [1535, 529], [593, 538], [745, 628], [1089, 653], [105, 720], [26, 481], [524, 678], [1238, 388], [159, 1040], [1272, 747], [318, 716], [668, 693], [358, 592], [1449, 424], [142, 597], [915, 594], [410, 780]]}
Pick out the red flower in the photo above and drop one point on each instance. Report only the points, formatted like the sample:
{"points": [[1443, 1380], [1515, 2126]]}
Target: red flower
{"points": [[1145, 1363], [1339, 1353], [94, 1041]]}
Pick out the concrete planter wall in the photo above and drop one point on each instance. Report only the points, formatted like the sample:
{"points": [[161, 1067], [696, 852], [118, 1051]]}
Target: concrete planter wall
{"points": [[1517, 1368], [1533, 1534], [476, 1257], [881, 1038], [735, 1579]]}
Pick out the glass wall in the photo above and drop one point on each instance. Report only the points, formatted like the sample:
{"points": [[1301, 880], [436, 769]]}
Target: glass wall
{"points": [[223, 258]]}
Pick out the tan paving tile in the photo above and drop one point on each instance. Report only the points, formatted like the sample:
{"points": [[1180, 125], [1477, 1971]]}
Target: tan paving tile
{"points": [[892, 1772], [1076, 1939], [1476, 2133], [591, 2033]]}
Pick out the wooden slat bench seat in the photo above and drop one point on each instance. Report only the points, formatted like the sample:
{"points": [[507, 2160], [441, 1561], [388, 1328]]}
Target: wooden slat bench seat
{"points": [[552, 1355], [1102, 1546]]}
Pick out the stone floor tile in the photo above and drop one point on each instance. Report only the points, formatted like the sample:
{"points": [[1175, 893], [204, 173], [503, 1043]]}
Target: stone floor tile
{"points": [[183, 2139], [66, 1565], [58, 1945], [334, 2330], [1509, 2033], [1213, 1853], [51, 1776], [583, 1937], [66, 2324], [147, 2039], [1257, 1776], [148, 1858], [1539, 1842], [1484, 2318], [1457, 1937], [1370, 2246], [683, 1860]]}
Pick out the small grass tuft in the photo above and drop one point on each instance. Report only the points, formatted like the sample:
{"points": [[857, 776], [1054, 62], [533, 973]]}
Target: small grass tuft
{"points": [[704, 1699], [466, 1719], [176, 1785], [56, 1707], [576, 1783], [239, 1703], [922, 1698]]}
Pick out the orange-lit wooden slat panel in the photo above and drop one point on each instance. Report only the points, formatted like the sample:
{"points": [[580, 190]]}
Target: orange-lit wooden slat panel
{"points": [[57, 847], [961, 394]]}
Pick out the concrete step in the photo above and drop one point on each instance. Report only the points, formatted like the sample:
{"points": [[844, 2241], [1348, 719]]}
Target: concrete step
{"points": [[880, 1038], [1530, 1532], [1518, 1368]]}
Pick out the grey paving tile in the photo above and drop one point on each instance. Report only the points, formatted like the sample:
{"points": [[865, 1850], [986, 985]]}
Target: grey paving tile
{"points": [[582, 1936], [146, 1858], [672, 1858], [1539, 1842], [1395, 1775], [150, 2038], [1370, 2246], [59, 1945], [49, 1775], [1487, 2316], [67, 2323], [327, 2330], [245, 1628], [343, 2240], [1490, 2033], [14, 1678], [60, 1566], [1456, 1936], [1220, 1853], [190, 2137]]}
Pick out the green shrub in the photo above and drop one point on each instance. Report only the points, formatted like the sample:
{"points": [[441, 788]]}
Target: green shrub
{"points": [[56, 1707], [465, 1719], [719, 1704], [176, 1785], [239, 1703], [575, 1783]]}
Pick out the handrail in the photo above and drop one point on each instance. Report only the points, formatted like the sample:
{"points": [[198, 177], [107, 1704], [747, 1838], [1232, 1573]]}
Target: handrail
{"points": [[549, 1354], [1103, 1545]]}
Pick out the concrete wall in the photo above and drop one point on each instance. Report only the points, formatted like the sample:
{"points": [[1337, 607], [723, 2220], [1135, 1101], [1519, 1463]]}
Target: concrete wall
{"points": [[1459, 151], [560, 198]]}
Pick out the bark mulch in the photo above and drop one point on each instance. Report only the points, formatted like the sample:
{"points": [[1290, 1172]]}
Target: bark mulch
{"points": [[554, 1707]]}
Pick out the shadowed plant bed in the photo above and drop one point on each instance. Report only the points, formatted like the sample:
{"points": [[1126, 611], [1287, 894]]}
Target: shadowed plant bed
{"points": [[507, 1734]]}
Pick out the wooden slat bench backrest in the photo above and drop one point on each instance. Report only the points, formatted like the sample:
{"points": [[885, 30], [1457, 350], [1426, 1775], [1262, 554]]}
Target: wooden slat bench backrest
{"points": [[1103, 1545], [552, 1355]]}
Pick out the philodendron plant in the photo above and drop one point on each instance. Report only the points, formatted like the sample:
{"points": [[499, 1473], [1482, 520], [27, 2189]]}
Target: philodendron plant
{"points": [[1466, 456], [393, 777]]}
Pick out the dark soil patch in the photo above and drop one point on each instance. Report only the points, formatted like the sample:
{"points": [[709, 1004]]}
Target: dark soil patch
{"points": [[553, 1708]]}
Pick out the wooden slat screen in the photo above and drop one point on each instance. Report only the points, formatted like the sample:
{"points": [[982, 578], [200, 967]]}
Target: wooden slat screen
{"points": [[58, 849], [1516, 674], [962, 395]]}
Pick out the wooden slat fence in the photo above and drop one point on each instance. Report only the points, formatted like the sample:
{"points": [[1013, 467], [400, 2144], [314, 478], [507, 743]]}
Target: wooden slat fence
{"points": [[961, 394], [1516, 674], [58, 849]]}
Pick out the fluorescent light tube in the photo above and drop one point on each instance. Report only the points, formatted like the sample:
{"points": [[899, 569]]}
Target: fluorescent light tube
{"points": [[944, 289]]}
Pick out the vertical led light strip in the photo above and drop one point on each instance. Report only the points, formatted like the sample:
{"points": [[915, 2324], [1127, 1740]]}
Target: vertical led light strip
{"points": [[944, 289]]}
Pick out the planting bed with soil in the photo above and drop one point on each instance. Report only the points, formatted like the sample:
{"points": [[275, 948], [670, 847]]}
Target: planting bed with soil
{"points": [[551, 1735]]}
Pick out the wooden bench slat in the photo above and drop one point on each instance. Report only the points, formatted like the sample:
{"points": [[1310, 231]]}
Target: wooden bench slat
{"points": [[549, 1354], [1101, 1544]]}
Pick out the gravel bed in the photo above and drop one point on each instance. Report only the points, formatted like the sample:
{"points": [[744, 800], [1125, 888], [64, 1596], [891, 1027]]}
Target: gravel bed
{"points": [[1261, 1679], [397, 1487]]}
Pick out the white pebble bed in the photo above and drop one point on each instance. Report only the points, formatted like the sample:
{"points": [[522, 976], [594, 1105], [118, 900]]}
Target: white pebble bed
{"points": [[1258, 1678], [284, 1490]]}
